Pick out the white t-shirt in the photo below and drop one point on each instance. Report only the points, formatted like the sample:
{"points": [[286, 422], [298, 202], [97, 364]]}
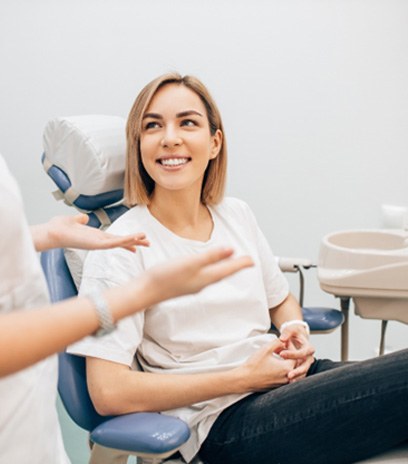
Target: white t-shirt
{"points": [[214, 330], [29, 429]]}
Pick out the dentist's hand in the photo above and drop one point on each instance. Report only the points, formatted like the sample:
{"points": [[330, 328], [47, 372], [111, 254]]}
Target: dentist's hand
{"points": [[191, 274], [72, 231]]}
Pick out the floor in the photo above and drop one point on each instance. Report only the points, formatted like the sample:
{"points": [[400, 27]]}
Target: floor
{"points": [[75, 439]]}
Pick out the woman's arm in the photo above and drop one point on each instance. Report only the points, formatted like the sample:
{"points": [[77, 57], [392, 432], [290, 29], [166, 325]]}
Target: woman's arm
{"points": [[28, 336], [288, 310], [116, 389], [72, 231]]}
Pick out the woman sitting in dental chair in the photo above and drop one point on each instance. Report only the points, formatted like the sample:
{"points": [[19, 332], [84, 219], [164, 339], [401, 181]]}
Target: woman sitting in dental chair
{"points": [[209, 359]]}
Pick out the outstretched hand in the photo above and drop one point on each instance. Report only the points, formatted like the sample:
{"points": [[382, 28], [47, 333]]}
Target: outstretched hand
{"points": [[193, 273], [72, 231]]}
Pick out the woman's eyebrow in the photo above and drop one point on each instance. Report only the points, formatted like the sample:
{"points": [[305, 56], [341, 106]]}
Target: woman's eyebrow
{"points": [[183, 114], [153, 115]]}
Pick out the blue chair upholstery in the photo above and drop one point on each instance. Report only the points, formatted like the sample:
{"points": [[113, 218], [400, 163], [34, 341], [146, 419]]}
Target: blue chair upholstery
{"points": [[148, 435], [322, 319]]}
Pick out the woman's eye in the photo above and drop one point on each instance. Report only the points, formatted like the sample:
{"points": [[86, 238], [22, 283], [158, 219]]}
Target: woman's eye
{"points": [[188, 123], [152, 125]]}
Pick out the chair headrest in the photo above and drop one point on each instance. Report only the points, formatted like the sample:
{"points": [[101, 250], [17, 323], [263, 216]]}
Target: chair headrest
{"points": [[85, 157]]}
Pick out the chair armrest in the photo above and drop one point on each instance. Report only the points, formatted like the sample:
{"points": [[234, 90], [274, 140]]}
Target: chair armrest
{"points": [[142, 433]]}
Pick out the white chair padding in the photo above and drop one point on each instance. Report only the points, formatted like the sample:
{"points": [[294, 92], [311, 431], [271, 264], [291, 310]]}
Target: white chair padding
{"points": [[89, 149]]}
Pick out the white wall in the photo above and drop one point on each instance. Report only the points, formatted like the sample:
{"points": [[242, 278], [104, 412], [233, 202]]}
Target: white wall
{"points": [[314, 95]]}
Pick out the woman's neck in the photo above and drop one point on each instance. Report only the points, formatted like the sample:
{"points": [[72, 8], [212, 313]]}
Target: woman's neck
{"points": [[183, 214]]}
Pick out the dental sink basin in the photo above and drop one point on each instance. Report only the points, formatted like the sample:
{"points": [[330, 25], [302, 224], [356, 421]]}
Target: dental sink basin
{"points": [[370, 266]]}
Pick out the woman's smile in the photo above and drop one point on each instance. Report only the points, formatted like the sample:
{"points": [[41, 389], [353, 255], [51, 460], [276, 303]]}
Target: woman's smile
{"points": [[173, 162]]}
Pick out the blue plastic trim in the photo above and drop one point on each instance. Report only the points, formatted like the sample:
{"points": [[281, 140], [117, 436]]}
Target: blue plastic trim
{"points": [[59, 280], [113, 212], [90, 203], [85, 202]]}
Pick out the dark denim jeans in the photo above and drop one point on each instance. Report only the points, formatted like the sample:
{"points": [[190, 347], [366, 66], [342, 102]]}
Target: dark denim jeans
{"points": [[339, 414]]}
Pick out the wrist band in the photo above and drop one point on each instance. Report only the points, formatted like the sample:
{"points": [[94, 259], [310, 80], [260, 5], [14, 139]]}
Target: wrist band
{"points": [[295, 322], [106, 323]]}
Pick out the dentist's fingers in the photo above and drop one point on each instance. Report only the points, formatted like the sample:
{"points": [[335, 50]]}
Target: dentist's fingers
{"points": [[220, 265], [73, 232], [191, 274]]}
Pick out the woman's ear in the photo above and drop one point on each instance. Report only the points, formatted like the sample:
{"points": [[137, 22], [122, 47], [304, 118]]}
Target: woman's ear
{"points": [[216, 143]]}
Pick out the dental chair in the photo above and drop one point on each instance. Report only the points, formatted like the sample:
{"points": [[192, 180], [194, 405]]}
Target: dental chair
{"points": [[97, 145]]}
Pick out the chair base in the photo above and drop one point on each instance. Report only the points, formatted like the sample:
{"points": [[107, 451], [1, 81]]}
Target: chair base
{"points": [[398, 455], [102, 455]]}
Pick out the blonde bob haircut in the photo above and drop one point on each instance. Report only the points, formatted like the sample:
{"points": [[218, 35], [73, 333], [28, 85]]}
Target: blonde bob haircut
{"points": [[139, 186]]}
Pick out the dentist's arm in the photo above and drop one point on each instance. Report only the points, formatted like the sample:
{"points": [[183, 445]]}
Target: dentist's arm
{"points": [[27, 336]]}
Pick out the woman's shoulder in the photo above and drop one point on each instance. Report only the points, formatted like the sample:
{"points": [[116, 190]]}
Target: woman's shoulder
{"points": [[233, 206], [126, 223]]}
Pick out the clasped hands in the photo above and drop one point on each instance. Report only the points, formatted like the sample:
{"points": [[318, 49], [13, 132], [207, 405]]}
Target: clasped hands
{"points": [[296, 347], [284, 360]]}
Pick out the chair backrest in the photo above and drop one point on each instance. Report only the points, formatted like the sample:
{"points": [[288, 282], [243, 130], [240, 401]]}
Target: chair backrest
{"points": [[85, 157], [72, 385]]}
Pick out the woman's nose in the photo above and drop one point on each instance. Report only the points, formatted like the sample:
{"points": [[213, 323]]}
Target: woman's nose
{"points": [[171, 138]]}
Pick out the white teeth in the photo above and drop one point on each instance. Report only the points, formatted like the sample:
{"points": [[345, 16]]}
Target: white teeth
{"points": [[173, 161]]}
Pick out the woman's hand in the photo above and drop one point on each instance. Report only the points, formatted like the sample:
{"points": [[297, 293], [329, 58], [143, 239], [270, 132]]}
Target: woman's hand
{"points": [[72, 231], [191, 274], [265, 369], [297, 347]]}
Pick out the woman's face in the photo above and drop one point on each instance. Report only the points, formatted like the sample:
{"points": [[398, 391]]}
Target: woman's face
{"points": [[176, 144]]}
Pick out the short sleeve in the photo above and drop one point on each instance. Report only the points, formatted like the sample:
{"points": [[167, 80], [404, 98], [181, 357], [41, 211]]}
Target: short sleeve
{"points": [[276, 284]]}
